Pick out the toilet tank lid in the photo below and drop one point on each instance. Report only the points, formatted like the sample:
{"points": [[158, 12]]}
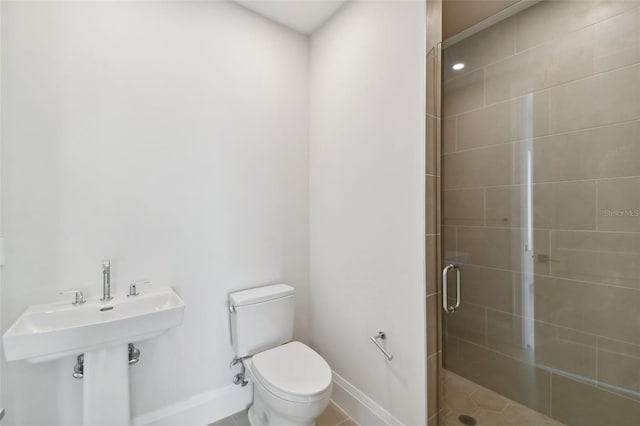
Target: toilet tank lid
{"points": [[260, 294]]}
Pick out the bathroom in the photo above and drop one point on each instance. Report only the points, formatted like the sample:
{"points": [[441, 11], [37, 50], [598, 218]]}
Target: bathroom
{"points": [[330, 159]]}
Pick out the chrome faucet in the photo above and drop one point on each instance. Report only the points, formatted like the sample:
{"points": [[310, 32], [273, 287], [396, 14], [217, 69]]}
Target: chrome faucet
{"points": [[106, 280]]}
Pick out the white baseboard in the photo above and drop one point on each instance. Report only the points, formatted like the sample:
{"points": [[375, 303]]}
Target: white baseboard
{"points": [[359, 406], [211, 406], [201, 409]]}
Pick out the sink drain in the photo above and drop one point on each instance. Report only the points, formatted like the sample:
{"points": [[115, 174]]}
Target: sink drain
{"points": [[466, 420]]}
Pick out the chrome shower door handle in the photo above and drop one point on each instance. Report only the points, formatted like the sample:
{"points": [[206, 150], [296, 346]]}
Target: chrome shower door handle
{"points": [[445, 296]]}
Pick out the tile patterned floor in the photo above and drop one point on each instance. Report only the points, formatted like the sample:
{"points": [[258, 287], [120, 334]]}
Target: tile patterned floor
{"points": [[485, 406], [332, 416], [462, 397]]}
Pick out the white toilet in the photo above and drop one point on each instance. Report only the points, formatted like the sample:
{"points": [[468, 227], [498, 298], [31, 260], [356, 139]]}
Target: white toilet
{"points": [[292, 383]]}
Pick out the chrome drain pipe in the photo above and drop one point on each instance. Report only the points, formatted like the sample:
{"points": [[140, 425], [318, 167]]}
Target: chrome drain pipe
{"points": [[78, 369], [134, 354]]}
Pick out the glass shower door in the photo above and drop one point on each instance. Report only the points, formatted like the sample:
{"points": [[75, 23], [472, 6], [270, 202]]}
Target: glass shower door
{"points": [[541, 213]]}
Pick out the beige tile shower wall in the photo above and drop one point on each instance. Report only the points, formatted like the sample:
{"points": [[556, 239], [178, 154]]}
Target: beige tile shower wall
{"points": [[556, 86]]}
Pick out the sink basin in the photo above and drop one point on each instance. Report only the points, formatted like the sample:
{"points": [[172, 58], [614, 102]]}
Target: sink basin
{"points": [[46, 332]]}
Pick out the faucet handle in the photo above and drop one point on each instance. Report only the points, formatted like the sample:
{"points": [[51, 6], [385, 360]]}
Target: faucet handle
{"points": [[79, 300], [133, 287]]}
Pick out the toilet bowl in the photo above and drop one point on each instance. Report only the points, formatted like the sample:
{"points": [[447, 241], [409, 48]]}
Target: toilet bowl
{"points": [[291, 382], [292, 386]]}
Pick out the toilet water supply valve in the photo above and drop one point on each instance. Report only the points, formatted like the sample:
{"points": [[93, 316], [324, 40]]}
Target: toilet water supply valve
{"points": [[78, 369], [239, 379]]}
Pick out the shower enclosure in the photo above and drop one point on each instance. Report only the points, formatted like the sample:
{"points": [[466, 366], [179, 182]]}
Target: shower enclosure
{"points": [[540, 188]]}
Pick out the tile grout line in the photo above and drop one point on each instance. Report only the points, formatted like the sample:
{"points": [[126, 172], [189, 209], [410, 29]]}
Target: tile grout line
{"points": [[559, 277], [455, 145], [511, 185], [514, 168], [597, 352], [612, 351], [565, 230], [586, 381], [456, 241], [552, 86], [549, 116], [549, 250], [577, 29], [515, 34], [486, 326], [559, 326], [545, 136], [597, 183], [484, 206], [551, 395], [520, 228], [484, 86], [542, 89]]}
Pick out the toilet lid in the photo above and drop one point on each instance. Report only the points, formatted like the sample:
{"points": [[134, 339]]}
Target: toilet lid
{"points": [[292, 371]]}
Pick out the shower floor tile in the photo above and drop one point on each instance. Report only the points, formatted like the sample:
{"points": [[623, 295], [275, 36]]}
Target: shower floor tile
{"points": [[488, 408]]}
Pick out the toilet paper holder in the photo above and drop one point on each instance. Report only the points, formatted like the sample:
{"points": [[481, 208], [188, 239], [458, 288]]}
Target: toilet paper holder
{"points": [[375, 339]]}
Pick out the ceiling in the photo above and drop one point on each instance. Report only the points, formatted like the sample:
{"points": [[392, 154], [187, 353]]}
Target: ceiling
{"points": [[304, 16], [458, 15]]}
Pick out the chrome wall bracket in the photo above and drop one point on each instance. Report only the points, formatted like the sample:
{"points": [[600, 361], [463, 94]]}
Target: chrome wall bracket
{"points": [[375, 339], [78, 369], [239, 378], [134, 354]]}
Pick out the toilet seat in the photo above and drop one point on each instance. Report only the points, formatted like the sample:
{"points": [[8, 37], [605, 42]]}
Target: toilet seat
{"points": [[293, 372]]}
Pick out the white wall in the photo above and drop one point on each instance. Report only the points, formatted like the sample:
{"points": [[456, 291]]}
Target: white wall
{"points": [[367, 200], [171, 137]]}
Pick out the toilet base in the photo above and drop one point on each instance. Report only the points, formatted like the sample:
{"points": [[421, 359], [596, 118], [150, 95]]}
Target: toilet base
{"points": [[269, 410]]}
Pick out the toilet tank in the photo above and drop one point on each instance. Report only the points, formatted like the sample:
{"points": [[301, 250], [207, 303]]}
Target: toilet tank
{"points": [[261, 318]]}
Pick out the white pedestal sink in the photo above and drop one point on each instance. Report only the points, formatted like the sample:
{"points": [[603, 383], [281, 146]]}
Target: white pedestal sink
{"points": [[102, 331], [106, 397]]}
